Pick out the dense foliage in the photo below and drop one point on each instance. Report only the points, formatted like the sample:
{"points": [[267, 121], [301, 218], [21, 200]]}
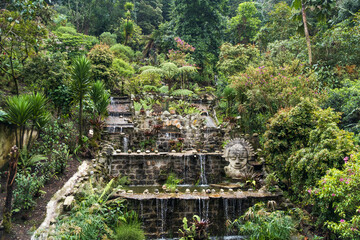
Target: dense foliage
{"points": [[276, 67]]}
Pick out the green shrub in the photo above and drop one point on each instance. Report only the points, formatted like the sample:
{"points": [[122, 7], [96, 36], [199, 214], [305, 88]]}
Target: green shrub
{"points": [[262, 91], [337, 198], [27, 188], [257, 223], [123, 68], [129, 232], [346, 100], [108, 38], [302, 143], [123, 52]]}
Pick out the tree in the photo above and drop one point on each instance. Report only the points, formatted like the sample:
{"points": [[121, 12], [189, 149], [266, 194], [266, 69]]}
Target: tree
{"points": [[200, 24], [279, 26], [128, 26], [20, 36], [148, 15], [18, 112], [246, 23], [80, 85], [321, 8], [101, 99]]}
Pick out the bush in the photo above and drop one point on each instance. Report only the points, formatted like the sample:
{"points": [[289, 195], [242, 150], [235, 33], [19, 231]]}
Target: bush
{"points": [[262, 91], [123, 52], [302, 143], [257, 223], [346, 100], [108, 38], [27, 188], [101, 65], [123, 68], [129, 232], [337, 197]]}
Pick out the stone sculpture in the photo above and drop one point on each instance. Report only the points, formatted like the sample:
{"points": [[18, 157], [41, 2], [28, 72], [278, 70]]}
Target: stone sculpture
{"points": [[238, 153]]}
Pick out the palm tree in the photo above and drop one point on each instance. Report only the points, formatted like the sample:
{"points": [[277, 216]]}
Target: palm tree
{"points": [[129, 25], [40, 116], [80, 85], [19, 111], [101, 99]]}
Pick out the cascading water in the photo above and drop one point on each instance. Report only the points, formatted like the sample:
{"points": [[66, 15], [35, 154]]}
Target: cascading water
{"points": [[186, 166], [163, 206], [226, 208], [203, 208], [125, 144], [203, 180]]}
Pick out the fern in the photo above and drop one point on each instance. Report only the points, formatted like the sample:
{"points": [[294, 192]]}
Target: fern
{"points": [[164, 89], [137, 106], [182, 92]]}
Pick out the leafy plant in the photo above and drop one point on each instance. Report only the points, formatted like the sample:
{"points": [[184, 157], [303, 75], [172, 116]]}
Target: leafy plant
{"points": [[336, 199], [27, 161], [172, 182], [196, 231], [257, 223], [129, 232], [27, 188]]}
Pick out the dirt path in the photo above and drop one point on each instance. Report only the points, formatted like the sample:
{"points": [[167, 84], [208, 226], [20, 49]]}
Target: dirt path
{"points": [[26, 222]]}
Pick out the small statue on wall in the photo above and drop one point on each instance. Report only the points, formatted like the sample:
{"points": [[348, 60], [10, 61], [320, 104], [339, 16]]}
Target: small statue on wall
{"points": [[238, 152]]}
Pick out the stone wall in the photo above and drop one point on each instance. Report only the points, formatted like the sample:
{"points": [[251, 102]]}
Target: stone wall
{"points": [[7, 140], [151, 168], [162, 215]]}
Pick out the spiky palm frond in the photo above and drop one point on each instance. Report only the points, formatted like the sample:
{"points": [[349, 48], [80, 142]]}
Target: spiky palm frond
{"points": [[100, 97], [80, 75], [18, 110], [40, 116]]}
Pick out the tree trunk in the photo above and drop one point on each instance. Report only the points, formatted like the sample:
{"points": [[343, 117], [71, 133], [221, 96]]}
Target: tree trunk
{"points": [[14, 156], [306, 31], [80, 123]]}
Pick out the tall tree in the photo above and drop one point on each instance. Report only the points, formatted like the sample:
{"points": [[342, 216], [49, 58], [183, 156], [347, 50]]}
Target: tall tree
{"points": [[321, 9], [129, 25], [148, 15], [200, 24], [80, 86], [246, 23], [21, 34]]}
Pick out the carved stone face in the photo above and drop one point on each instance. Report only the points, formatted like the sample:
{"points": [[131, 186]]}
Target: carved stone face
{"points": [[237, 156]]}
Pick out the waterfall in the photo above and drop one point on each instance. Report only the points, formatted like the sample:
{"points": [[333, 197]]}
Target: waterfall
{"points": [[186, 166], [163, 205], [141, 210], [203, 180], [203, 208], [226, 208], [125, 144]]}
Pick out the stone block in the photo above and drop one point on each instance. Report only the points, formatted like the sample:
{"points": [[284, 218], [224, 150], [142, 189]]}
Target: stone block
{"points": [[68, 203]]}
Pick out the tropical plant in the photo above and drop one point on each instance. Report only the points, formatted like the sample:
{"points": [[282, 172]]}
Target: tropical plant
{"points": [[100, 97], [301, 144], [129, 232], [172, 182], [39, 116], [19, 111], [196, 231], [80, 86], [128, 26], [27, 161], [257, 223], [336, 199]]}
